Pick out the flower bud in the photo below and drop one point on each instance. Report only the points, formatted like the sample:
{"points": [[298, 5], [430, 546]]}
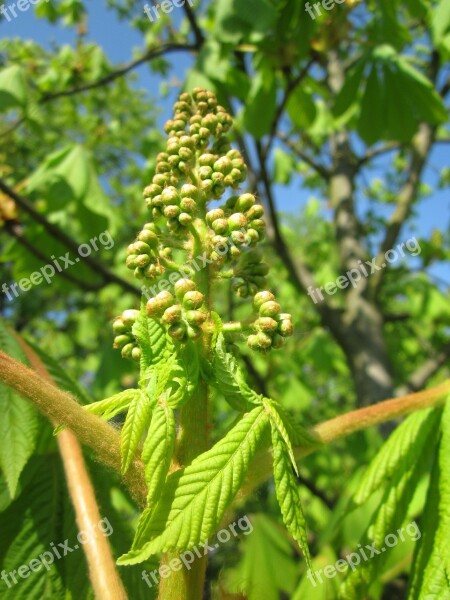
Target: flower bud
{"points": [[267, 324], [207, 160], [269, 309], [220, 226], [185, 219], [187, 142], [212, 215], [121, 340], [178, 331], [172, 211], [172, 314], [190, 191], [285, 327], [161, 179], [119, 326], [131, 261], [255, 212], [188, 205], [142, 261], [262, 297], [185, 154], [127, 351], [149, 237], [129, 317], [195, 317], [237, 221], [152, 190], [205, 172], [258, 224], [193, 332], [223, 165], [136, 353], [170, 196], [182, 286], [238, 238], [193, 300], [245, 202]]}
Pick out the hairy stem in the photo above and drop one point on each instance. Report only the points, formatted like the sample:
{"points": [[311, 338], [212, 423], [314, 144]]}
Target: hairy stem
{"points": [[192, 440]]}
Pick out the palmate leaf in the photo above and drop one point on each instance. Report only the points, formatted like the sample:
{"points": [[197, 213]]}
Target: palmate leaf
{"points": [[390, 514], [431, 569], [18, 422], [276, 420], [227, 377], [136, 422], [151, 337], [158, 450], [194, 499], [113, 406], [287, 490]]}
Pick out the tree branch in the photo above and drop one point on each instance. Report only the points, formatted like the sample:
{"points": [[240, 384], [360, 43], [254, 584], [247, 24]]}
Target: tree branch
{"points": [[149, 55], [61, 408], [317, 167], [420, 377], [199, 37], [58, 234]]}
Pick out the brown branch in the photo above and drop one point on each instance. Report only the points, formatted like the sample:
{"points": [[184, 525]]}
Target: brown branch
{"points": [[317, 167], [199, 37], [61, 408], [376, 152], [98, 267], [149, 55]]}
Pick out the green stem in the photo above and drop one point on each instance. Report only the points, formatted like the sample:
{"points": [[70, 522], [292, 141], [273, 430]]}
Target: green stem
{"points": [[192, 440]]}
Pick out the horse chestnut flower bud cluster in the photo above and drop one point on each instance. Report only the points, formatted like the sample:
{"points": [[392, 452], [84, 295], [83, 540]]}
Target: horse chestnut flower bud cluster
{"points": [[198, 165], [125, 340], [272, 326], [181, 313]]}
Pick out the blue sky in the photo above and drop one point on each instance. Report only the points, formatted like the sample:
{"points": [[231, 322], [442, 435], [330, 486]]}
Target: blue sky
{"points": [[119, 40]]}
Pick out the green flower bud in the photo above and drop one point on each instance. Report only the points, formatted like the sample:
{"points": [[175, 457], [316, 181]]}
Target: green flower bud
{"points": [[121, 340], [269, 309], [161, 179], [180, 124], [258, 224], [238, 237], [162, 157], [212, 215], [187, 142], [149, 237], [185, 219], [190, 191], [174, 161], [186, 97], [245, 202], [119, 326], [252, 342], [261, 298], [185, 153], [195, 317], [131, 261], [152, 190], [170, 196], [165, 299], [207, 185], [264, 340], [182, 286], [255, 212], [251, 257], [252, 237], [188, 205], [285, 328], [172, 314], [178, 331], [193, 332], [129, 317], [204, 133], [127, 351], [193, 300], [207, 160], [267, 324], [231, 202], [142, 261], [234, 252], [205, 172], [163, 167], [220, 226], [172, 211], [136, 353], [223, 165], [258, 281], [277, 341], [237, 221]]}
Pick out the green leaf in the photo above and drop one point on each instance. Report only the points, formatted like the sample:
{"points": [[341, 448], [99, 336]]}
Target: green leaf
{"points": [[440, 22], [260, 104], [151, 337], [301, 107], [277, 420], [283, 166], [431, 572], [18, 422], [255, 575], [195, 499], [113, 406], [13, 88], [409, 437], [228, 378], [287, 490], [158, 450], [398, 491], [136, 422]]}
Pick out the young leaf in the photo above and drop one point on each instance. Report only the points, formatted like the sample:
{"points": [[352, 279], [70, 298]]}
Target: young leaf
{"points": [[195, 499], [431, 573], [229, 379], [277, 421], [389, 516], [18, 422], [151, 337], [158, 450], [411, 436], [110, 407], [137, 421], [287, 491]]}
